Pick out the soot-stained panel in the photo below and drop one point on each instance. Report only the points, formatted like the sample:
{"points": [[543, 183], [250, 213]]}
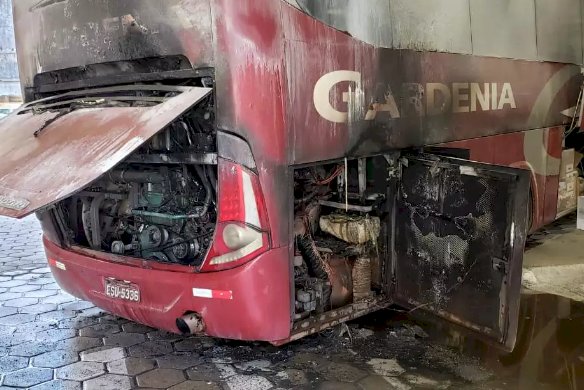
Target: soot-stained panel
{"points": [[457, 229]]}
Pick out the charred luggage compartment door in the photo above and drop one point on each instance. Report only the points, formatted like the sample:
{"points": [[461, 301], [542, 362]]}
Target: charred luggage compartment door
{"points": [[459, 241]]}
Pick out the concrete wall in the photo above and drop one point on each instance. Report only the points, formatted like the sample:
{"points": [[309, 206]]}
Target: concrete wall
{"points": [[9, 85]]}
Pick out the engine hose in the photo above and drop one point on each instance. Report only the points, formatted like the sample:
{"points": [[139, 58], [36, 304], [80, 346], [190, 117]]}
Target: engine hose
{"points": [[205, 181], [315, 264], [128, 176], [212, 179], [95, 222], [86, 220]]}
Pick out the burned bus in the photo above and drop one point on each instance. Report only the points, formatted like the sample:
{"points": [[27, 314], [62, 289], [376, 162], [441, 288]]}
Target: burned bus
{"points": [[265, 169]]}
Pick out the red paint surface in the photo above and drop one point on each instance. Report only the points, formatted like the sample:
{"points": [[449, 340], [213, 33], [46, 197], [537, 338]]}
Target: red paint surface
{"points": [[508, 149], [250, 82], [258, 310]]}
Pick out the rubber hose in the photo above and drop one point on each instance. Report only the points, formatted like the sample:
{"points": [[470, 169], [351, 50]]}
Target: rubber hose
{"points": [[315, 265]]}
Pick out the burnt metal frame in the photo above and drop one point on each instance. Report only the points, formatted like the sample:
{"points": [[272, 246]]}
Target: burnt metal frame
{"points": [[121, 79], [91, 92]]}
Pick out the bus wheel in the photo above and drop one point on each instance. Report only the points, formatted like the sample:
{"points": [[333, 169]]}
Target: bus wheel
{"points": [[525, 329], [530, 210]]}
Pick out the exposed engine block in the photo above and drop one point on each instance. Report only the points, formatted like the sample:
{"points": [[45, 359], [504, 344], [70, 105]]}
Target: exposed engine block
{"points": [[154, 206]]}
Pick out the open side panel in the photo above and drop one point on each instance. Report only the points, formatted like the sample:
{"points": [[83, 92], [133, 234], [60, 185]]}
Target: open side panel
{"points": [[460, 234]]}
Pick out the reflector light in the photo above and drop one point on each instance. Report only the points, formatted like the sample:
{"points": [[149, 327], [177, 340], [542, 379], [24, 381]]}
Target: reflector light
{"points": [[212, 294], [57, 264]]}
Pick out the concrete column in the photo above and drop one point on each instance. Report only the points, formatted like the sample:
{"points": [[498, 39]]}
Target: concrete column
{"points": [[9, 84]]}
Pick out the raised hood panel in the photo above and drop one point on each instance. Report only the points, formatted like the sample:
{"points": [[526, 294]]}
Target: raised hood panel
{"points": [[73, 149]]}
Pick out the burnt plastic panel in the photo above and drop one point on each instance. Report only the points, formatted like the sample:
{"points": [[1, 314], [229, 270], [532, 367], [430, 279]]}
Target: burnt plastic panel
{"points": [[460, 234]]}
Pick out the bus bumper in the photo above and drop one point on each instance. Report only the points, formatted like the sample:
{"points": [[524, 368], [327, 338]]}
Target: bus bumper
{"points": [[250, 302]]}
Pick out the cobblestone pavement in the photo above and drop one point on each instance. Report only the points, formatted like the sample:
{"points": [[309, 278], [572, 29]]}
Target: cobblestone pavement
{"points": [[50, 340]]}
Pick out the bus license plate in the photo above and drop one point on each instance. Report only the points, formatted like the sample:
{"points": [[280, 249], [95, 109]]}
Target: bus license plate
{"points": [[122, 290]]}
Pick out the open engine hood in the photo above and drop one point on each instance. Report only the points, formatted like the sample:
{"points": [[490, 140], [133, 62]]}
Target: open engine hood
{"points": [[49, 151]]}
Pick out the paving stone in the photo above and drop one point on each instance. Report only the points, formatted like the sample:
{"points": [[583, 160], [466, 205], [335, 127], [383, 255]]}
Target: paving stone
{"points": [[254, 365], [77, 306], [3, 290], [43, 270], [160, 378], [31, 348], [42, 293], [296, 377], [92, 312], [339, 386], [55, 359], [12, 283], [7, 330], [9, 295], [225, 370], [108, 382], [52, 286], [12, 363], [78, 344], [112, 319], [306, 361], [397, 384], [205, 373], [99, 330], [133, 327], [386, 367], [150, 349], [26, 276], [130, 366], [58, 385], [207, 342], [196, 385], [180, 361], [473, 372], [103, 354], [374, 382], [38, 308], [56, 315], [34, 327], [420, 381], [248, 382], [13, 340], [25, 289], [7, 311], [79, 323], [188, 345], [55, 335], [163, 335], [59, 298], [21, 302], [342, 372], [41, 281], [28, 377], [80, 371], [124, 339], [15, 273]]}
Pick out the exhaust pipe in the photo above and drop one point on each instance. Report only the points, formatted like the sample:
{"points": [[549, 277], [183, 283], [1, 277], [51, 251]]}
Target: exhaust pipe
{"points": [[191, 323]]}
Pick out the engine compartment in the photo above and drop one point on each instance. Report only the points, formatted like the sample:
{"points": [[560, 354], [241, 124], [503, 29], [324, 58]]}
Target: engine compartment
{"points": [[338, 214], [160, 203]]}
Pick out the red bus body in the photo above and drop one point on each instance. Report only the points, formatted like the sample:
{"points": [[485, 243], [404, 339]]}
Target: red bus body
{"points": [[294, 92]]}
